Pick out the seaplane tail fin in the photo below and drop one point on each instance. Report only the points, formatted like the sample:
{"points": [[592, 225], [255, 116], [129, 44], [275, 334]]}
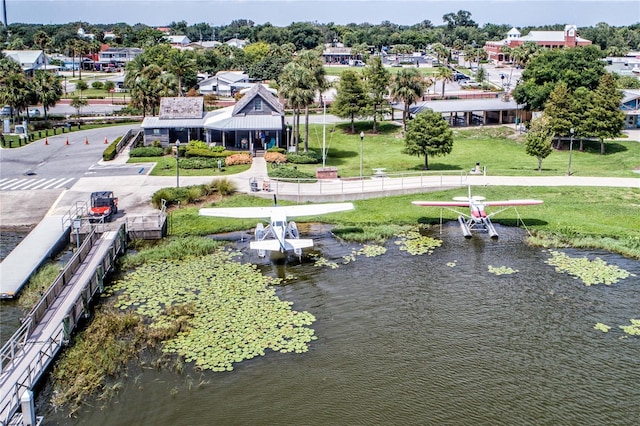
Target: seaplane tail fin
{"points": [[293, 244], [267, 245]]}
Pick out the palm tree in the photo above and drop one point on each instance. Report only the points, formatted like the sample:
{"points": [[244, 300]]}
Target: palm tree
{"points": [[15, 91], [297, 86], [145, 86], [441, 52], [180, 63], [82, 47], [42, 40], [311, 60], [446, 75], [407, 86], [48, 89]]}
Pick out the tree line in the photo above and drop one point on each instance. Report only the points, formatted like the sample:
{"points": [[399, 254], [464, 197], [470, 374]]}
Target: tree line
{"points": [[457, 31]]}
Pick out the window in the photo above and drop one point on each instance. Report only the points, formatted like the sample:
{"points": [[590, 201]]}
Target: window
{"points": [[257, 104]]}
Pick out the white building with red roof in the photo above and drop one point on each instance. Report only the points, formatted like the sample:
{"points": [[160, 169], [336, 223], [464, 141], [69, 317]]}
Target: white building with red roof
{"points": [[547, 39]]}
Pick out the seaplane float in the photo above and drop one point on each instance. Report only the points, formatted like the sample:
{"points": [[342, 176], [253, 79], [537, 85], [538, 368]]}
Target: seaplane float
{"points": [[280, 234], [477, 219]]}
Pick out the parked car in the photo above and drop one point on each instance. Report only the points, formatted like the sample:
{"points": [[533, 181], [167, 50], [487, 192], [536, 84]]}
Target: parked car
{"points": [[458, 76], [6, 111], [470, 84], [33, 112]]}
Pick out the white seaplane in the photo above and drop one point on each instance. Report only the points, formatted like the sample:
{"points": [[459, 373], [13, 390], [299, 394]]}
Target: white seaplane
{"points": [[278, 235], [477, 219]]}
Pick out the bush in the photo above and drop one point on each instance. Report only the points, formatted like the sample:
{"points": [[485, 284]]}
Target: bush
{"points": [[172, 196], [222, 186], [201, 162], [275, 157], [201, 152], [277, 149], [97, 85], [310, 157], [196, 144], [193, 193], [110, 152], [290, 173], [236, 159], [147, 151]]}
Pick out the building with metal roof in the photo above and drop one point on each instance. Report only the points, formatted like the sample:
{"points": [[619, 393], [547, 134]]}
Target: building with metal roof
{"points": [[255, 123], [468, 112]]}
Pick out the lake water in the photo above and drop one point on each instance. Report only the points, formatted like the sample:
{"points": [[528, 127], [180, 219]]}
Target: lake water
{"points": [[415, 340]]}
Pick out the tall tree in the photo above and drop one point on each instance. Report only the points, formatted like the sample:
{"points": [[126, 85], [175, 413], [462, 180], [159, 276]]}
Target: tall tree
{"points": [[428, 134], [377, 79], [577, 67], [407, 86], [350, 99], [559, 110], [538, 139], [604, 119]]}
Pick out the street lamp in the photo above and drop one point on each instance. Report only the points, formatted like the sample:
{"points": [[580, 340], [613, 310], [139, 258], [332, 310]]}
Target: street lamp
{"points": [[177, 164], [288, 140], [570, 150], [361, 146]]}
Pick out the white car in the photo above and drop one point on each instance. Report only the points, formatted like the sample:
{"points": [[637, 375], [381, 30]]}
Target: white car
{"points": [[33, 112], [470, 84]]}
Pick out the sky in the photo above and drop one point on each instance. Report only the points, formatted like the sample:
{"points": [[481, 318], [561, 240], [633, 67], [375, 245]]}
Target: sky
{"points": [[518, 13]]}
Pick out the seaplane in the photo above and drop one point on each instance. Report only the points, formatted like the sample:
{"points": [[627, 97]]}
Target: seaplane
{"points": [[279, 235], [477, 219]]}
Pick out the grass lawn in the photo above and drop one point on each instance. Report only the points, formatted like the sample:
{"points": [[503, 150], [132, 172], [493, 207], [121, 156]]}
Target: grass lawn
{"points": [[498, 148]]}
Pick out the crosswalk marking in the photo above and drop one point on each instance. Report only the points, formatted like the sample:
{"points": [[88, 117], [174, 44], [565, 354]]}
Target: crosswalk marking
{"points": [[23, 184]]}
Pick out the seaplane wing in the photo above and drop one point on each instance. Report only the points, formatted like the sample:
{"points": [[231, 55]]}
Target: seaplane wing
{"points": [[267, 212], [508, 203], [464, 202]]}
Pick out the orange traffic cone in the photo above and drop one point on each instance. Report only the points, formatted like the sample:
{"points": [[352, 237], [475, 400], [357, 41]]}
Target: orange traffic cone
{"points": [[106, 141], [86, 140], [46, 141], [67, 142]]}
